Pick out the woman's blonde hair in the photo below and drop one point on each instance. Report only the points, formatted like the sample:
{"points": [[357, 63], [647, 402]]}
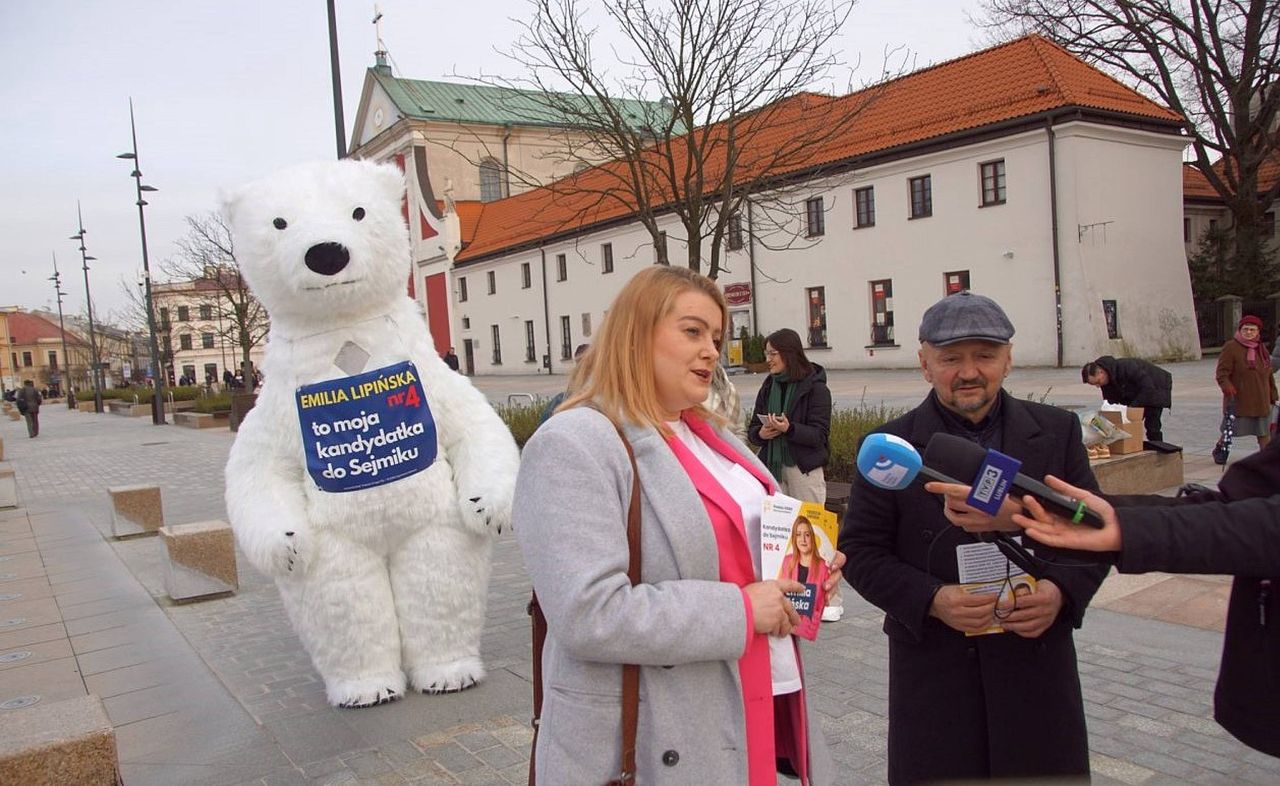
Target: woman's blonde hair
{"points": [[794, 548], [617, 374]]}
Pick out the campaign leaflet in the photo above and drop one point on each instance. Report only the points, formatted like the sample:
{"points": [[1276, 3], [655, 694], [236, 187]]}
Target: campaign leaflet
{"points": [[984, 570], [780, 558], [366, 430]]}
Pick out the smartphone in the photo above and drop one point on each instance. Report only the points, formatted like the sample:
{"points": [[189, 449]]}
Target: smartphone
{"points": [[763, 418]]}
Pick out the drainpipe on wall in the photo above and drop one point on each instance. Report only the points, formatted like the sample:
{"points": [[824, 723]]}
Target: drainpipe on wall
{"points": [[546, 307], [1053, 217], [506, 165], [751, 263]]}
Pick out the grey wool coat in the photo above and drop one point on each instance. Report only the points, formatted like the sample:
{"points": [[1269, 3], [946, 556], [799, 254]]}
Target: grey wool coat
{"points": [[682, 625]]}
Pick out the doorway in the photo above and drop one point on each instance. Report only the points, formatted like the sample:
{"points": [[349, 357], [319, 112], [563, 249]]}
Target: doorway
{"points": [[468, 357]]}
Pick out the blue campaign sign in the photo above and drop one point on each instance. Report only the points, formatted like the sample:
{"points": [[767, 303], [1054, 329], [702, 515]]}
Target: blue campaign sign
{"points": [[991, 485], [366, 430]]}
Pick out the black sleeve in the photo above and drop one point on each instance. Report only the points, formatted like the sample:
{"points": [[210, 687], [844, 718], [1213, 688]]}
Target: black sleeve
{"points": [[753, 426], [1240, 538], [817, 426]]}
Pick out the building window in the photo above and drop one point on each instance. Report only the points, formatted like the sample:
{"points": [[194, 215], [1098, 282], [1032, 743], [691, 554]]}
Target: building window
{"points": [[864, 207], [189, 371], [206, 340], [206, 312], [1186, 230], [816, 299], [566, 339], [1213, 225], [921, 196], [164, 319], [490, 180], [586, 325], [462, 289], [53, 360], [466, 323], [497, 346], [184, 314], [734, 236], [530, 350], [882, 312], [526, 279], [813, 217], [184, 341], [27, 360], [993, 183], [606, 258], [210, 372], [492, 276], [1111, 316], [955, 281], [562, 268]]}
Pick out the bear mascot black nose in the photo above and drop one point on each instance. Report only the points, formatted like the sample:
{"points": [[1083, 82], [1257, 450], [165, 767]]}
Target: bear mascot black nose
{"points": [[327, 259]]}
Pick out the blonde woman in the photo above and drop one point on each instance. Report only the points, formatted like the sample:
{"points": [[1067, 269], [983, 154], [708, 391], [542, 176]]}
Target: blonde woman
{"points": [[707, 633]]}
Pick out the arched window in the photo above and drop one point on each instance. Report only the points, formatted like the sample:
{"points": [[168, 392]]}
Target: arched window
{"points": [[490, 180]]}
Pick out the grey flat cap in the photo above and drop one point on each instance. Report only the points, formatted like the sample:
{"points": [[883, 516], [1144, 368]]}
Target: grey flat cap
{"points": [[964, 316]]}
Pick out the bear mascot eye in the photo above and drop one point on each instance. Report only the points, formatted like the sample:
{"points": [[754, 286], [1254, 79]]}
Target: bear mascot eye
{"points": [[279, 223], [358, 213]]}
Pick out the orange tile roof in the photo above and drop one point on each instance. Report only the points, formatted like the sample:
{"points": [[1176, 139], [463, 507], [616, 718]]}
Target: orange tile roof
{"points": [[1019, 79], [26, 328], [1196, 186]]}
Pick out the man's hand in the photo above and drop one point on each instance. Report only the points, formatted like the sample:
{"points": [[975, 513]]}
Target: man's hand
{"points": [[1035, 611], [970, 519], [833, 576], [964, 611]]}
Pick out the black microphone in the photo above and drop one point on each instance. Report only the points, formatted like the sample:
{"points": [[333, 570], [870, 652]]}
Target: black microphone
{"points": [[961, 458]]}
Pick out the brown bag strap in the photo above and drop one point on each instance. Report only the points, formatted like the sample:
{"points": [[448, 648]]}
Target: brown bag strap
{"points": [[630, 671]]}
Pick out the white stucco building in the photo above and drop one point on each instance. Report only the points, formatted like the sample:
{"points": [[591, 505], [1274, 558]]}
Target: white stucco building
{"points": [[1018, 172]]}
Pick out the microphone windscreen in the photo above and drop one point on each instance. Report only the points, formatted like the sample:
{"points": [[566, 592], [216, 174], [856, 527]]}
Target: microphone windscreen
{"points": [[955, 456], [888, 461]]}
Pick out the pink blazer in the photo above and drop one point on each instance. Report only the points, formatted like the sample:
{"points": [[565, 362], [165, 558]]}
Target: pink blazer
{"points": [[774, 728]]}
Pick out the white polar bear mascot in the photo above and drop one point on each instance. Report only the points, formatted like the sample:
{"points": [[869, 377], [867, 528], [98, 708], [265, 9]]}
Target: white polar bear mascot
{"points": [[369, 479]]}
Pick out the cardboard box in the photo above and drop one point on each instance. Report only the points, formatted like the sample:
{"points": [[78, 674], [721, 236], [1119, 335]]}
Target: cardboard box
{"points": [[1134, 428]]}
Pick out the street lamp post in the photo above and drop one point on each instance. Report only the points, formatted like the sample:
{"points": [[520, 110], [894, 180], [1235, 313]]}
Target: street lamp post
{"points": [[56, 278], [157, 399], [94, 369]]}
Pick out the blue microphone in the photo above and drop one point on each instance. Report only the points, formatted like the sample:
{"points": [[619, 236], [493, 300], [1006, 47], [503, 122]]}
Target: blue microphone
{"points": [[890, 462]]}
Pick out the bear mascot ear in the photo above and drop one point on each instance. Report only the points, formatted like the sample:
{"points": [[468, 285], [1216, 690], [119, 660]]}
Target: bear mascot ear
{"points": [[229, 201], [390, 180]]}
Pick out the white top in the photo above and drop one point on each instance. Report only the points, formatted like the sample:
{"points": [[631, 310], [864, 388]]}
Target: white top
{"points": [[746, 490]]}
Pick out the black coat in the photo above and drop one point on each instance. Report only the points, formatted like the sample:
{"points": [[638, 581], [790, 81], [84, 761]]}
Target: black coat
{"points": [[1136, 383], [1243, 539], [967, 707], [810, 416]]}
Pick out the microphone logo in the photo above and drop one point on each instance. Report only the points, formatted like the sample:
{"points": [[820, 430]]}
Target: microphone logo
{"points": [[987, 483]]}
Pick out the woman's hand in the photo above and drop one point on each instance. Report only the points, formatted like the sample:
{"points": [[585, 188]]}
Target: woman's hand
{"points": [[771, 612], [774, 426], [833, 572], [959, 512], [1054, 530]]}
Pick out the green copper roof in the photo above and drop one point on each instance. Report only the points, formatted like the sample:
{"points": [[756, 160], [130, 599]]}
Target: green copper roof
{"points": [[449, 101]]}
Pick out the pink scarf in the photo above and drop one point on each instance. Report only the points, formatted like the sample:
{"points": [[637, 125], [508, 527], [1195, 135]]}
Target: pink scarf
{"points": [[1255, 348]]}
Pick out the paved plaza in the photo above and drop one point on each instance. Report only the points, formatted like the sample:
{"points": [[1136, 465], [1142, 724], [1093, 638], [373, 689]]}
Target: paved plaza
{"points": [[221, 692]]}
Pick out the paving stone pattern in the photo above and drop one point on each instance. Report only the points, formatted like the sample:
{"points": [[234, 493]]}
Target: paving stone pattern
{"points": [[221, 692]]}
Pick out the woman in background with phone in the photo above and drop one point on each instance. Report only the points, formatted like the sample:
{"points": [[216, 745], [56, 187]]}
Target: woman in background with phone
{"points": [[790, 425]]}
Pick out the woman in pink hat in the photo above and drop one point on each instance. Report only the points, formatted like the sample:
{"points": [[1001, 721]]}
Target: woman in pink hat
{"points": [[1244, 373]]}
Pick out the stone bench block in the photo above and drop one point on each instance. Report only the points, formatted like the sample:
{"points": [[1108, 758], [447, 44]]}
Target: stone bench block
{"points": [[8, 486], [1138, 473], [135, 510], [202, 559], [13, 415], [64, 742], [202, 419], [84, 406]]}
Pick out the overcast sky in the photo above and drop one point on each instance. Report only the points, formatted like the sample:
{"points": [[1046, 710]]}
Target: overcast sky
{"points": [[228, 90]]}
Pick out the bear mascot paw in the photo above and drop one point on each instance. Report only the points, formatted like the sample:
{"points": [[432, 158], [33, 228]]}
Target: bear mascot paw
{"points": [[369, 480]]}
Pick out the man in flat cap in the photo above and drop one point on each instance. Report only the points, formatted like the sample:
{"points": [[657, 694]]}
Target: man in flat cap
{"points": [[965, 703]]}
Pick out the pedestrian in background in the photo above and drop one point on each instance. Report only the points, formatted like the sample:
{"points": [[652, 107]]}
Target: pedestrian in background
{"points": [[28, 401], [451, 359], [723, 694], [1133, 382], [1244, 373], [791, 424]]}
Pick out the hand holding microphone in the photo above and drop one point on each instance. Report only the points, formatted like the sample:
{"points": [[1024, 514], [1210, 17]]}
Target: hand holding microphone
{"points": [[1054, 530]]}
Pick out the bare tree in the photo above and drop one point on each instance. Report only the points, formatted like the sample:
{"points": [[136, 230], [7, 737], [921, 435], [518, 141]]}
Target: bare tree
{"points": [[702, 107], [206, 260], [1213, 61]]}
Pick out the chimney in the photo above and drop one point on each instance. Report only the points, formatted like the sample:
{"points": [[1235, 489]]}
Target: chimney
{"points": [[380, 62]]}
